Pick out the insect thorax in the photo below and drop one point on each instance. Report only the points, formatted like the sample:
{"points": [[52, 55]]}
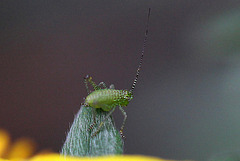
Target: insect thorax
{"points": [[106, 99]]}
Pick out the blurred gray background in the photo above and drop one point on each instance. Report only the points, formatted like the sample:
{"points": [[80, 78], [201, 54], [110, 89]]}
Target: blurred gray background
{"points": [[187, 100]]}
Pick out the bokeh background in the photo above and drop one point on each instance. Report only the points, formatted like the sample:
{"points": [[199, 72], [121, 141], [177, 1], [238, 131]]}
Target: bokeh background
{"points": [[186, 103]]}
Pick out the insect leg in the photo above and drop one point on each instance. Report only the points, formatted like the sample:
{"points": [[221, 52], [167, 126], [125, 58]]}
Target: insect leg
{"points": [[88, 79], [102, 84], [94, 120], [124, 121], [101, 124], [86, 84]]}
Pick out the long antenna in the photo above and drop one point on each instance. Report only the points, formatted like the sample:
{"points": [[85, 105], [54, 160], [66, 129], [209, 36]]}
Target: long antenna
{"points": [[141, 60]]}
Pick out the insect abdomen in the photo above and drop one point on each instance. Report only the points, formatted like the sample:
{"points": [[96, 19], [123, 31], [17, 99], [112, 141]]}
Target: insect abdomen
{"points": [[106, 99]]}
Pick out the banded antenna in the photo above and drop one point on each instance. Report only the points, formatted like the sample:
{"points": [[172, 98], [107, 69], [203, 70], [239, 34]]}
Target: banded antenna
{"points": [[141, 60]]}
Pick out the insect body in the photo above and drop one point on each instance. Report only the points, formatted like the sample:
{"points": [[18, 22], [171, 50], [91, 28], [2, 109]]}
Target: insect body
{"points": [[109, 98], [106, 99]]}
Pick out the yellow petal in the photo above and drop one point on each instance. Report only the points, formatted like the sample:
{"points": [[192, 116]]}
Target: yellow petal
{"points": [[22, 148], [57, 157], [4, 141], [3, 159]]}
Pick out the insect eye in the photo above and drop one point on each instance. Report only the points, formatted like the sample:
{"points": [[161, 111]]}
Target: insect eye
{"points": [[128, 97]]}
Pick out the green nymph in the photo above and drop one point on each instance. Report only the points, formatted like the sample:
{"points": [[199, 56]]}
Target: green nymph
{"points": [[108, 99]]}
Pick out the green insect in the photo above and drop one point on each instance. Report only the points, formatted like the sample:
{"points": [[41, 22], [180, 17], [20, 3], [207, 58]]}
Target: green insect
{"points": [[108, 99]]}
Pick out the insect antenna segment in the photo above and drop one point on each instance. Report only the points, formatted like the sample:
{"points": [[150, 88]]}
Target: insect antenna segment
{"points": [[141, 60]]}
